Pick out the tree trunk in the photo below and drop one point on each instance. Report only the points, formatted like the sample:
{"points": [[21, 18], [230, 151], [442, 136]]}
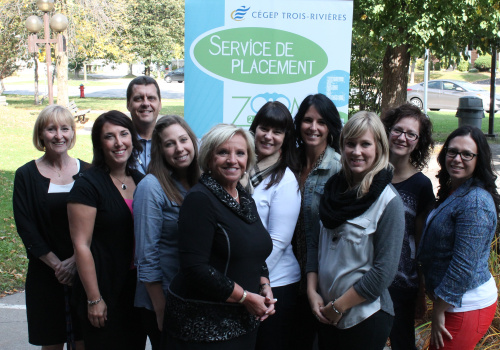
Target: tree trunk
{"points": [[395, 78], [2, 86], [412, 71], [130, 68], [37, 96], [62, 76]]}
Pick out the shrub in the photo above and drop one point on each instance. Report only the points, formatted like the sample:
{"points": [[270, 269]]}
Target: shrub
{"points": [[420, 64], [437, 66], [483, 63], [473, 70], [463, 66]]}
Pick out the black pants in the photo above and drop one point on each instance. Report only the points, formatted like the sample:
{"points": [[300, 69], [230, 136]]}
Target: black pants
{"points": [[403, 330], [274, 333], [371, 334], [305, 326], [150, 327]]}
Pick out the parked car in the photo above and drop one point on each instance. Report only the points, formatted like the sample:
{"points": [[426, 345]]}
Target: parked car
{"points": [[444, 94], [176, 75]]}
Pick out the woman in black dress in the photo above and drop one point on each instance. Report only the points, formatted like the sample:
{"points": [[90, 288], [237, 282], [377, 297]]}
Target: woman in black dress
{"points": [[218, 298], [40, 190], [102, 230]]}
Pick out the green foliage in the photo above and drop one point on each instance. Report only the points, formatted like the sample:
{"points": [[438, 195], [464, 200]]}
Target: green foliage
{"points": [[12, 35], [483, 63], [420, 64], [463, 66], [155, 29], [366, 72], [437, 66]]}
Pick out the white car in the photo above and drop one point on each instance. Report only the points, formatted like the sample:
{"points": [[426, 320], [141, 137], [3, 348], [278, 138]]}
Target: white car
{"points": [[444, 94]]}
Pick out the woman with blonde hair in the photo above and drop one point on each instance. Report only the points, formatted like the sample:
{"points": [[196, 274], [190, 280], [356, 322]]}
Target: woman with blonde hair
{"points": [[216, 301], [41, 187], [361, 232]]}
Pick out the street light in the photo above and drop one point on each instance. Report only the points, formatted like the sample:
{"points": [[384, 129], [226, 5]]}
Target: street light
{"points": [[58, 23]]}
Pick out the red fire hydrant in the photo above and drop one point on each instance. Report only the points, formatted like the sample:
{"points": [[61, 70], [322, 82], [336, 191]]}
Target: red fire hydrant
{"points": [[82, 91]]}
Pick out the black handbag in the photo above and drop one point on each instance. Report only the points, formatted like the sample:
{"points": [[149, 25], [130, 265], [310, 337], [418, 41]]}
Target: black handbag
{"points": [[205, 321]]}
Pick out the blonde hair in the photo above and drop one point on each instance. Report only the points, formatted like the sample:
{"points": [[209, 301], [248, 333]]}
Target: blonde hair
{"points": [[356, 127], [219, 134], [52, 114]]}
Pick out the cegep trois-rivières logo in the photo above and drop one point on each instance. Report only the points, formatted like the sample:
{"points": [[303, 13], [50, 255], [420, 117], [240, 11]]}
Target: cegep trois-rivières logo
{"points": [[239, 14]]}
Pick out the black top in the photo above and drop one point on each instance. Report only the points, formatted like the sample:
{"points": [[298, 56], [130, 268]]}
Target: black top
{"points": [[33, 216], [113, 237], [416, 193], [220, 242]]}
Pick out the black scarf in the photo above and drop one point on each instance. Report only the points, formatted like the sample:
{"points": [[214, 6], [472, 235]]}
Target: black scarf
{"points": [[244, 209], [339, 204]]}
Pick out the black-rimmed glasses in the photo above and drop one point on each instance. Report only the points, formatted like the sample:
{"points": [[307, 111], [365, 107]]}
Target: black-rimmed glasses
{"points": [[465, 155], [408, 134]]}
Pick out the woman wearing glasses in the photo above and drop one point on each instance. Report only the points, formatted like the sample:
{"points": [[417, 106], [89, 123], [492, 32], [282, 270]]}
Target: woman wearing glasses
{"points": [[455, 245], [409, 132]]}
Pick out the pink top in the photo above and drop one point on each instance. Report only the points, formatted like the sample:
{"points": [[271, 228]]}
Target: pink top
{"points": [[129, 205]]}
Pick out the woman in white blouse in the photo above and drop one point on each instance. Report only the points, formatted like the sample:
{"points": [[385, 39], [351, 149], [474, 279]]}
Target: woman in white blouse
{"points": [[273, 182]]}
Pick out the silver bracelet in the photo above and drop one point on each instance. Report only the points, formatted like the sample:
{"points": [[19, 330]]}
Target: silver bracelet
{"points": [[335, 309], [243, 297], [94, 302]]}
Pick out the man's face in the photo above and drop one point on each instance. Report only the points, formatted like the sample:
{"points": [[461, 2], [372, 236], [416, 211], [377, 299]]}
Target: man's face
{"points": [[144, 104]]}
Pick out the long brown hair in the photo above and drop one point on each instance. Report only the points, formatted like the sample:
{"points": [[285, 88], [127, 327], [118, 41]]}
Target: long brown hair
{"points": [[160, 168]]}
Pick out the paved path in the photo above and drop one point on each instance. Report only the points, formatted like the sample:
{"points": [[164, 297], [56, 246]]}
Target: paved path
{"points": [[168, 91], [13, 324]]}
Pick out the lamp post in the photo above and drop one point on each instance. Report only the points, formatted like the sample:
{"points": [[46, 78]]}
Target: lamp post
{"points": [[58, 23]]}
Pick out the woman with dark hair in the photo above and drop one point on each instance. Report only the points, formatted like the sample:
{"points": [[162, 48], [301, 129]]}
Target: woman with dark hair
{"points": [[361, 232], [275, 190], [41, 187], [410, 142], [102, 230], [317, 129], [172, 171], [455, 245]]}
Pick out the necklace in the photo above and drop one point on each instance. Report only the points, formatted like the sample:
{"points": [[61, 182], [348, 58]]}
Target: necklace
{"points": [[124, 187], [53, 168], [237, 195]]}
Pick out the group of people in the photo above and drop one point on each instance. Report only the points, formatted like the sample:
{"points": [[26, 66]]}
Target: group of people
{"points": [[294, 232]]}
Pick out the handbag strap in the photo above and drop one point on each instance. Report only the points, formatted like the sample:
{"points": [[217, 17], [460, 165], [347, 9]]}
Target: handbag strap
{"points": [[228, 248]]}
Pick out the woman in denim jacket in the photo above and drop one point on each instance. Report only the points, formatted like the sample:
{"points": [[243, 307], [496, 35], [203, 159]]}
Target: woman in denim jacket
{"points": [[455, 246], [317, 128], [173, 170]]}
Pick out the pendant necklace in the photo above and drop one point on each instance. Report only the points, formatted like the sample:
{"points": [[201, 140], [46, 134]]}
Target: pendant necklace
{"points": [[124, 187]]}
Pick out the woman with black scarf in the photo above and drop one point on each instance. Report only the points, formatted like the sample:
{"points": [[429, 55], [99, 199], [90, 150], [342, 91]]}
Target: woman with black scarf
{"points": [[362, 225]]}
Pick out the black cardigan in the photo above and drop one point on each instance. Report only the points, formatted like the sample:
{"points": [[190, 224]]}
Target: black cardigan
{"points": [[31, 211]]}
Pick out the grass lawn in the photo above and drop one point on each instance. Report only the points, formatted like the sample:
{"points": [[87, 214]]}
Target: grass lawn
{"points": [[453, 75], [445, 122]]}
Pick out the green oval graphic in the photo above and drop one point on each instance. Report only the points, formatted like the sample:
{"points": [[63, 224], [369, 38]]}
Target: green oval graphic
{"points": [[260, 55]]}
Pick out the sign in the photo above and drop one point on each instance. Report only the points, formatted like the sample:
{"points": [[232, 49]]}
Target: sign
{"points": [[240, 55]]}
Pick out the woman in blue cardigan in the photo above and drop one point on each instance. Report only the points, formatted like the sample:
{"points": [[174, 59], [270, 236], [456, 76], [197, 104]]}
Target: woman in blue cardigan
{"points": [[455, 246]]}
